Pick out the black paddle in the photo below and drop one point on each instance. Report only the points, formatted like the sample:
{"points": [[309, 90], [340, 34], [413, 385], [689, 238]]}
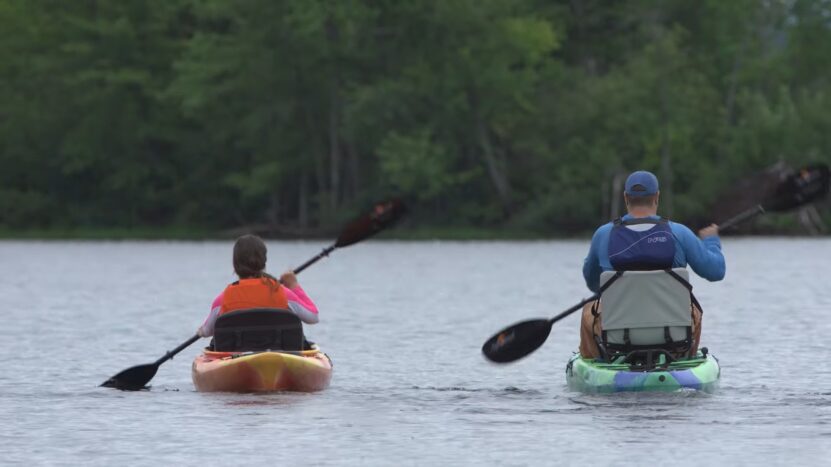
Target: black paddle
{"points": [[382, 216], [520, 339]]}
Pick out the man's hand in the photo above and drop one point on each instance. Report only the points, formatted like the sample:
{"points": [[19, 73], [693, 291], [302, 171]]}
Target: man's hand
{"points": [[709, 231]]}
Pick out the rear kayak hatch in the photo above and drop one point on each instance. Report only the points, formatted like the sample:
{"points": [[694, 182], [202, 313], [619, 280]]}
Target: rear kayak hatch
{"points": [[648, 361]]}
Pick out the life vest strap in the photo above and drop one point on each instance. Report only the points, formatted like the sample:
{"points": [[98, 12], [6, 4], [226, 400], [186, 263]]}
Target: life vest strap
{"points": [[689, 287], [642, 220]]}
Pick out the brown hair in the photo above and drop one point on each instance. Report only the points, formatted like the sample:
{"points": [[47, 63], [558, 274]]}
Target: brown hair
{"points": [[636, 201], [250, 254]]}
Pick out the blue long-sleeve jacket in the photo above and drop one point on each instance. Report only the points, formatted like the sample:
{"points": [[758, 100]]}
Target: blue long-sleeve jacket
{"points": [[703, 256]]}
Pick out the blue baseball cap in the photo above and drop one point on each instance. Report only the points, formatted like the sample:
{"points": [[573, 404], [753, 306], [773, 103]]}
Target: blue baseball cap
{"points": [[641, 183]]}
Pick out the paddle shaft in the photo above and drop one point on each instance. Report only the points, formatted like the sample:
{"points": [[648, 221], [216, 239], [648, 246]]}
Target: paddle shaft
{"points": [[742, 216], [319, 256], [574, 308], [171, 353]]}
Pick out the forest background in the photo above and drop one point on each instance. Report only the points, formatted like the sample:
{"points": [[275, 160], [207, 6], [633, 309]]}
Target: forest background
{"points": [[492, 118]]}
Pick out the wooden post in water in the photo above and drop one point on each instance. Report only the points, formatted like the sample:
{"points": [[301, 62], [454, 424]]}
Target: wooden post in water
{"points": [[616, 201]]}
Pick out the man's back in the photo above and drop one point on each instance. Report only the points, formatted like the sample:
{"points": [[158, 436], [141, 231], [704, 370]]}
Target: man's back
{"points": [[702, 255]]}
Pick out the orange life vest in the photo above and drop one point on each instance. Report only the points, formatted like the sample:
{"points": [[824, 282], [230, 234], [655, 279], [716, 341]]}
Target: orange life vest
{"points": [[253, 293]]}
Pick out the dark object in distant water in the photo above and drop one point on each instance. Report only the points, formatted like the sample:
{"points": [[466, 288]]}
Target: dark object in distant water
{"points": [[777, 188], [800, 188]]}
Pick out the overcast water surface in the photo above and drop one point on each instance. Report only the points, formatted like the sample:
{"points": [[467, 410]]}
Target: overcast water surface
{"points": [[403, 323]]}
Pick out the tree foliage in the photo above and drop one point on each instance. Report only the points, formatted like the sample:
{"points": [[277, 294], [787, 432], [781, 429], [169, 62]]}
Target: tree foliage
{"points": [[484, 113]]}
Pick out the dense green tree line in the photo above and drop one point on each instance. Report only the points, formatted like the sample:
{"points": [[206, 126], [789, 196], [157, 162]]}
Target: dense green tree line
{"points": [[484, 113]]}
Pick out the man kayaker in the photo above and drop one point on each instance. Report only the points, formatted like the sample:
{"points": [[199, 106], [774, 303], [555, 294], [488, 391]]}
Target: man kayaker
{"points": [[634, 242], [258, 289]]}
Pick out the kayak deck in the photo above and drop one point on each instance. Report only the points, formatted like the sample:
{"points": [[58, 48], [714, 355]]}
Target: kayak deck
{"points": [[303, 371], [589, 375]]}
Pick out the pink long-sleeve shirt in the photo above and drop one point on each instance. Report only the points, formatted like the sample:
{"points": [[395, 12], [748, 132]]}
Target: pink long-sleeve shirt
{"points": [[299, 303]]}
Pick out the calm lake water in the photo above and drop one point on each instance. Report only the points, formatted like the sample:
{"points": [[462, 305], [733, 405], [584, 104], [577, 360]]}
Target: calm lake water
{"points": [[403, 323]]}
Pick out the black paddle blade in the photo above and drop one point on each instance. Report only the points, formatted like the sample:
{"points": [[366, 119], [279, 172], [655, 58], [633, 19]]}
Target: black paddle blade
{"points": [[517, 341], [132, 379], [803, 186], [382, 216]]}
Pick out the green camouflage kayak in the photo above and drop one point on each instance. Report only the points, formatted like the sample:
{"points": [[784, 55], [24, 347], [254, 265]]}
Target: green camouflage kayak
{"points": [[588, 375]]}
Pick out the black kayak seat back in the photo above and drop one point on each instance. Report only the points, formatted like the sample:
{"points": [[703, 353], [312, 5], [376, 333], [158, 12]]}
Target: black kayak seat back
{"points": [[258, 329], [646, 309]]}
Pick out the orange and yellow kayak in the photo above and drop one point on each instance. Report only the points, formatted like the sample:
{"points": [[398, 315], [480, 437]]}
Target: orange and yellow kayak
{"points": [[305, 371]]}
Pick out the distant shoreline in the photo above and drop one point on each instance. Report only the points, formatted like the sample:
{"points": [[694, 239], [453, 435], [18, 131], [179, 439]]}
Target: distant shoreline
{"points": [[145, 233], [421, 233]]}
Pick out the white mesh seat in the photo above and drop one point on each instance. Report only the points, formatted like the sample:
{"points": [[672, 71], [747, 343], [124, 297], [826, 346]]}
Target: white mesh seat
{"points": [[646, 309]]}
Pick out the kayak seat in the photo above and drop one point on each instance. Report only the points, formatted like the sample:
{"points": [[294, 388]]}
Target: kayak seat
{"points": [[258, 329], [646, 310]]}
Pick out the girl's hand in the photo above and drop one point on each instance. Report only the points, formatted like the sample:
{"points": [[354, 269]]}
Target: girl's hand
{"points": [[288, 279]]}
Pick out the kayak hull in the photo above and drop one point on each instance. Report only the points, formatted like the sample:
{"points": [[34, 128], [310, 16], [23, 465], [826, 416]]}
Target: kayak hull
{"points": [[305, 371], [587, 375]]}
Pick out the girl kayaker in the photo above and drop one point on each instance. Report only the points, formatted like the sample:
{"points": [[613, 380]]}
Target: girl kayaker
{"points": [[258, 289]]}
